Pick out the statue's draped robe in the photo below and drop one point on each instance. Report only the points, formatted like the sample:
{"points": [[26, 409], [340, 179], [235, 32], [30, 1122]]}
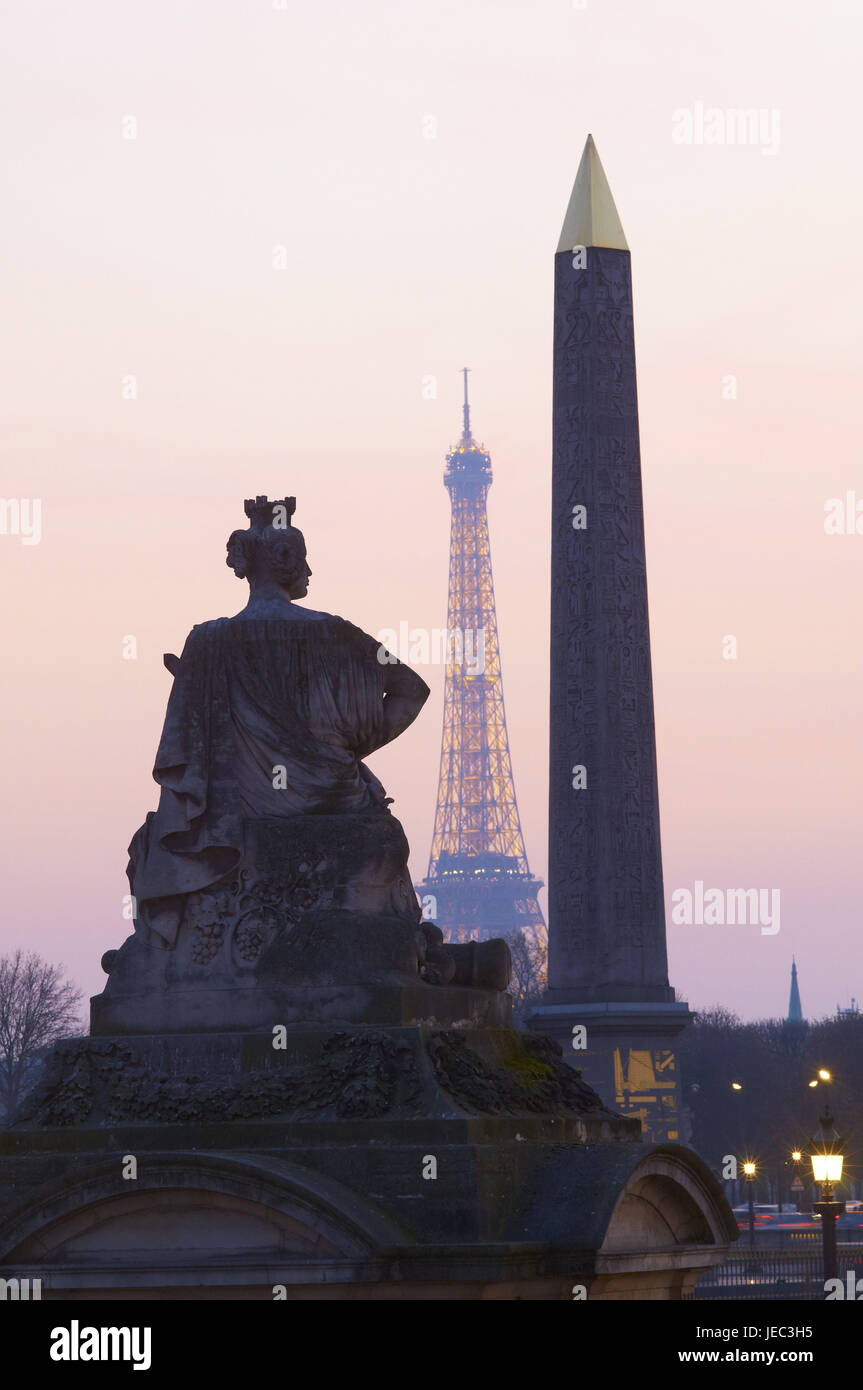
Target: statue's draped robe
{"points": [[252, 696]]}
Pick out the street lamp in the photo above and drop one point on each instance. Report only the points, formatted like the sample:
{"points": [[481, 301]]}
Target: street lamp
{"points": [[797, 1182], [827, 1159], [749, 1173]]}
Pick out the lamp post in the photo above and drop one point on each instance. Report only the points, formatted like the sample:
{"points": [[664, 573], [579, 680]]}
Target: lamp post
{"points": [[796, 1159], [826, 1170], [749, 1173]]}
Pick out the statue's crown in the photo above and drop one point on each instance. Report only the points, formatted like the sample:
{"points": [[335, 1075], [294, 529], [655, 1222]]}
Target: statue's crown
{"points": [[262, 512]]}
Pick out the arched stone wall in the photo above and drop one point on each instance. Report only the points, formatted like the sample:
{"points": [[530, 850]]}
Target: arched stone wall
{"points": [[671, 1208], [191, 1222]]}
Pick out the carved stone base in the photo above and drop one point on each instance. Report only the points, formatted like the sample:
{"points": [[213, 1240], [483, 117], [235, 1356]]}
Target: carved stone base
{"points": [[313, 1072], [263, 1006], [319, 924], [366, 1162]]}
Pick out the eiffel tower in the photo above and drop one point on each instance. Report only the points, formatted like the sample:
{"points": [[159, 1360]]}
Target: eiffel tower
{"points": [[478, 879]]}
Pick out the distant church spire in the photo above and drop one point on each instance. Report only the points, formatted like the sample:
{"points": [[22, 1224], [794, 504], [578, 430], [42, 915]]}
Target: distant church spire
{"points": [[795, 1011]]}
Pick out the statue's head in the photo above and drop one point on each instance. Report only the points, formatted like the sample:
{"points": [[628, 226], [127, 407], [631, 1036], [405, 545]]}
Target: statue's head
{"points": [[271, 550]]}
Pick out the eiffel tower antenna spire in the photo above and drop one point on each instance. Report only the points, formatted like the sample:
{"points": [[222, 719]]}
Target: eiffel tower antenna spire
{"points": [[466, 437]]}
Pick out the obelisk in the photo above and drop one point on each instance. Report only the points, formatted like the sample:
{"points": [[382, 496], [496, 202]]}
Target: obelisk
{"points": [[608, 999]]}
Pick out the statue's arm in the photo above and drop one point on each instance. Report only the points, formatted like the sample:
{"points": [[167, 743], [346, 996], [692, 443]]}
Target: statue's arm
{"points": [[405, 693]]}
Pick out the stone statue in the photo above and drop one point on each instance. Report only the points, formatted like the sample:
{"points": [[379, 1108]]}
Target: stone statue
{"points": [[270, 715], [273, 862]]}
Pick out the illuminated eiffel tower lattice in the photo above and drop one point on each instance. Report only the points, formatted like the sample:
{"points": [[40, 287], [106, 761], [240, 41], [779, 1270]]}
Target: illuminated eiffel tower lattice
{"points": [[479, 884]]}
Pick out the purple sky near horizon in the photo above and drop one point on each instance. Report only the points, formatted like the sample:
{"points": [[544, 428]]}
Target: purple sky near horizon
{"points": [[405, 258]]}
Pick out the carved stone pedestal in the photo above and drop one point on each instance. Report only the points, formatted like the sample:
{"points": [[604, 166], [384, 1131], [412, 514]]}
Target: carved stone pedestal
{"points": [[317, 924], [264, 1006], [356, 1163]]}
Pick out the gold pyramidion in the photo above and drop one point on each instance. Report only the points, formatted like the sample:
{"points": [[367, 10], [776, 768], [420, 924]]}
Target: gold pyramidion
{"points": [[591, 218]]}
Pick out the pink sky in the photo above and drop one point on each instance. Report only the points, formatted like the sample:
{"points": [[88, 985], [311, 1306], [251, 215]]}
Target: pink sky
{"points": [[406, 257]]}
